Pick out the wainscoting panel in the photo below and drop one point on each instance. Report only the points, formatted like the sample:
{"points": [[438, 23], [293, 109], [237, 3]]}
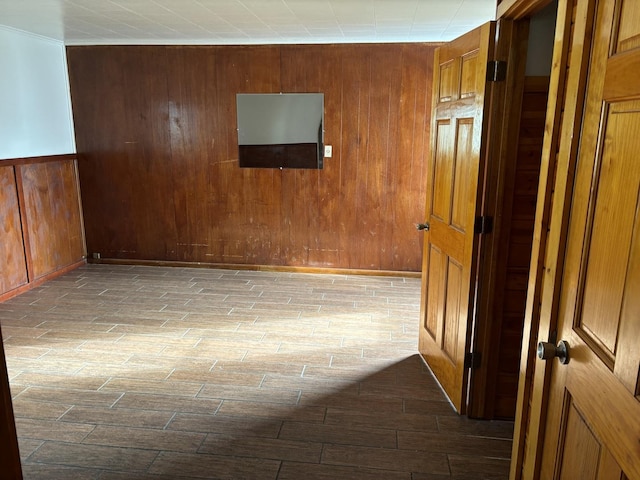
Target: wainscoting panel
{"points": [[52, 214], [13, 264], [41, 233]]}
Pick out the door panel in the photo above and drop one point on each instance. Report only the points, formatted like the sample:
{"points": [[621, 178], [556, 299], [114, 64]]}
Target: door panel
{"points": [[470, 74], [593, 428], [463, 170], [585, 457], [443, 174], [612, 230], [451, 326], [434, 316], [578, 438], [450, 246]]}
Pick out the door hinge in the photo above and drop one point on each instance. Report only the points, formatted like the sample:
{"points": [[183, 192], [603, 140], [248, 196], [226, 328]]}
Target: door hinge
{"points": [[483, 225], [472, 360], [496, 71]]}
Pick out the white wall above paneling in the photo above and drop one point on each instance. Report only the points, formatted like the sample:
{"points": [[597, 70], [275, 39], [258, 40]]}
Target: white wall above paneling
{"points": [[35, 104]]}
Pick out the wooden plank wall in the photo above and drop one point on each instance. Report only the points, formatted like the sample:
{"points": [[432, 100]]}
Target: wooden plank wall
{"points": [[14, 267], [158, 160], [40, 212], [522, 197]]}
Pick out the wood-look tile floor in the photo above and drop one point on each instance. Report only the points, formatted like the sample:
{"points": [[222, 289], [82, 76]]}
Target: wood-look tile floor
{"points": [[129, 372]]}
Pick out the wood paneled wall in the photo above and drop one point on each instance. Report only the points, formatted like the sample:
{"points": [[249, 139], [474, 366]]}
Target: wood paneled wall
{"points": [[14, 263], [158, 160], [40, 213]]}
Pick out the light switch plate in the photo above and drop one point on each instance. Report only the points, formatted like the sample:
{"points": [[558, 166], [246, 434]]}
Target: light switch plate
{"points": [[328, 151]]}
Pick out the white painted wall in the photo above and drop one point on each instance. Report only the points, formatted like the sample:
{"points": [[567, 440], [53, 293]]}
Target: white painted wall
{"points": [[35, 104]]}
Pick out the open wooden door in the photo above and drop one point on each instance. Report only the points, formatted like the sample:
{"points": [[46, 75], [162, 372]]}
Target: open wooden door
{"points": [[593, 417], [454, 184]]}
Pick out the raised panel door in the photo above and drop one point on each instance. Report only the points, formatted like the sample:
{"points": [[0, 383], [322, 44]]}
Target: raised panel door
{"points": [[452, 190], [593, 427]]}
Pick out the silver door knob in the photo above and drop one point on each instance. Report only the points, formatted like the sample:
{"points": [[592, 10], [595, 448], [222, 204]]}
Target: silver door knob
{"points": [[423, 226], [548, 351]]}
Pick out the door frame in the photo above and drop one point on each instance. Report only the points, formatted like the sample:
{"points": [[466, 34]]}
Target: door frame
{"points": [[563, 118], [500, 149], [9, 454]]}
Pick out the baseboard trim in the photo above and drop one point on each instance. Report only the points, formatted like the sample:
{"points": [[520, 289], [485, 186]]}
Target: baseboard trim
{"points": [[260, 268], [39, 281]]}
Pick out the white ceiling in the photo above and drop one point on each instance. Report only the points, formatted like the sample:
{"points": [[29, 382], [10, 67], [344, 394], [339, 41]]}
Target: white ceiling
{"points": [[90, 22]]}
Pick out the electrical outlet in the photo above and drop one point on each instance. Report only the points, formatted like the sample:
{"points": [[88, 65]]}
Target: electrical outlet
{"points": [[328, 151]]}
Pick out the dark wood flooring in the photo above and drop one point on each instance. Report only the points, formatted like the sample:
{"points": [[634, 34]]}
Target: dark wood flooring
{"points": [[129, 372]]}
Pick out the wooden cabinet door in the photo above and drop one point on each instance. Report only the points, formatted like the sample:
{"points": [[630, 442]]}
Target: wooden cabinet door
{"points": [[459, 90], [593, 418]]}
